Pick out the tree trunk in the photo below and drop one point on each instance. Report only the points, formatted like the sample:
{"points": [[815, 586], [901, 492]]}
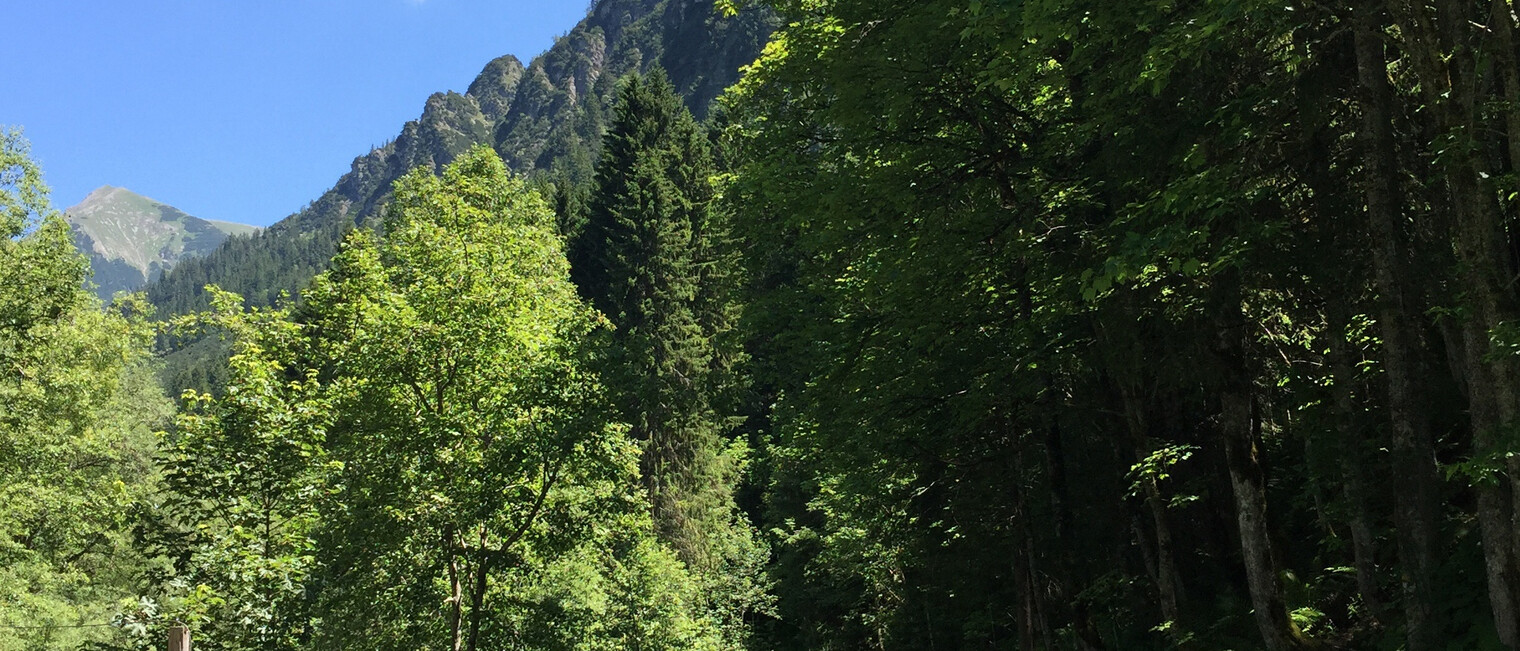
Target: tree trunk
{"points": [[1444, 51], [1502, 24], [1495, 502], [456, 598], [1025, 588], [1249, 487], [1412, 448], [478, 595], [1506, 617], [1023, 571], [1168, 584]]}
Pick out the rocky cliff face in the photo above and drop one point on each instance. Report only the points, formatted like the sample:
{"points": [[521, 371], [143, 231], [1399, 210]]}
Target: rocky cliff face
{"points": [[544, 119], [496, 87], [132, 239]]}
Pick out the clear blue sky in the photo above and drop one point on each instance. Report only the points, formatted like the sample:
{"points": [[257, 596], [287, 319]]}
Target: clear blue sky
{"points": [[240, 110]]}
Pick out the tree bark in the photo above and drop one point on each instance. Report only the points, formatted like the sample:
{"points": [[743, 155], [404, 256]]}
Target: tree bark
{"points": [[1246, 479], [1024, 570], [478, 596], [1443, 48], [456, 624], [1506, 617], [1495, 503], [1502, 26], [1025, 587], [1412, 447], [1168, 583]]}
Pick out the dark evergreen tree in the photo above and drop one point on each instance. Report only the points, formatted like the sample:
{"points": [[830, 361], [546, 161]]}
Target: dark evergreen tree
{"points": [[641, 259], [649, 256]]}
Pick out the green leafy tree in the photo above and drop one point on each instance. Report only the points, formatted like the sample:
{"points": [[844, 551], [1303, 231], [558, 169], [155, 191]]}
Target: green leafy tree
{"points": [[78, 407], [486, 498], [244, 473]]}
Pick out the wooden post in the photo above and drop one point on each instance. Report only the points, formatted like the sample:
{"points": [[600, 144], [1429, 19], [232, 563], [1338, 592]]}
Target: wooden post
{"points": [[179, 638]]}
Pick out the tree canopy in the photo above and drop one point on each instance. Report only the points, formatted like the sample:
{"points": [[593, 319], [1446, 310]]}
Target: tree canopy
{"points": [[986, 325], [78, 409]]}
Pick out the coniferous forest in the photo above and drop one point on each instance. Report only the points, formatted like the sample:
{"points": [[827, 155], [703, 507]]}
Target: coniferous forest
{"points": [[995, 324]]}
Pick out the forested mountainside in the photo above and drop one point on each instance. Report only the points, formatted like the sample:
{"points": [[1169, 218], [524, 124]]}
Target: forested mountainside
{"points": [[543, 119], [970, 325], [132, 239]]}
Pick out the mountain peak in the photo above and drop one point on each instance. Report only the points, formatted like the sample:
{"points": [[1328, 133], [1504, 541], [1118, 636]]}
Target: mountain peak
{"points": [[132, 239], [494, 88], [98, 194]]}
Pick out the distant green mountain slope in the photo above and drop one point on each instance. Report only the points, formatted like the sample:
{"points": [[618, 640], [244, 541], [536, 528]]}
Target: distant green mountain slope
{"points": [[545, 119], [132, 239]]}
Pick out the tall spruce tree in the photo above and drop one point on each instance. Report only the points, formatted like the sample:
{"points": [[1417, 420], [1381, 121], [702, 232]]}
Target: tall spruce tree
{"points": [[640, 261]]}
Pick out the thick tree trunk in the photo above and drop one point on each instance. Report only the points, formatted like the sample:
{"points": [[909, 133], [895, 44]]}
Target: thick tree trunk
{"points": [[1444, 50], [1412, 448], [1491, 406], [1249, 487], [1495, 504], [1497, 499], [1502, 26]]}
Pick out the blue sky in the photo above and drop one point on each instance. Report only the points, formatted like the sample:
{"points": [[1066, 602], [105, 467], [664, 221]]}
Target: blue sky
{"points": [[240, 110]]}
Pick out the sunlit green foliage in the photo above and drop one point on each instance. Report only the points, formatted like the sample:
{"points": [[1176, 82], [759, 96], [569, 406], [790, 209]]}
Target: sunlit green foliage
{"points": [[244, 473], [78, 407], [422, 456], [472, 442], [1065, 325]]}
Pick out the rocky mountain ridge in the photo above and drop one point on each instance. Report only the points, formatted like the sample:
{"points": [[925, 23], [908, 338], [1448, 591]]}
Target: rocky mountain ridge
{"points": [[544, 118]]}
